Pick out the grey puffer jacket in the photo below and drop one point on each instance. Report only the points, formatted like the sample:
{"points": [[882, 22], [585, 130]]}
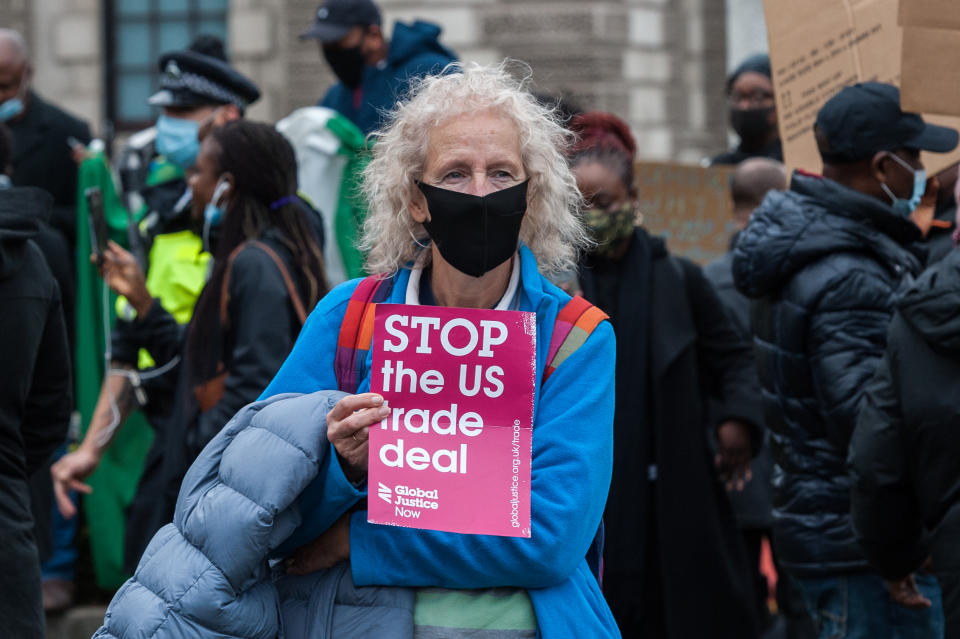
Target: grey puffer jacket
{"points": [[208, 575]]}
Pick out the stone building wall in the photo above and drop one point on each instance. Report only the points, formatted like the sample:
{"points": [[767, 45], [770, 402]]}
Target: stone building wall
{"points": [[658, 63]]}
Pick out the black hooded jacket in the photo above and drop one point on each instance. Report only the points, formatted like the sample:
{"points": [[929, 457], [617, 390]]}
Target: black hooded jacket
{"points": [[905, 452], [34, 398], [35, 376], [823, 263]]}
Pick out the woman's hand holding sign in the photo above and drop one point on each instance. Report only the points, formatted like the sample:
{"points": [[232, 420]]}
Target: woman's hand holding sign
{"points": [[348, 429]]}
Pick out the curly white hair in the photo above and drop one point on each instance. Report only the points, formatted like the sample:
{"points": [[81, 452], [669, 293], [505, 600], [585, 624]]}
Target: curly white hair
{"points": [[551, 227]]}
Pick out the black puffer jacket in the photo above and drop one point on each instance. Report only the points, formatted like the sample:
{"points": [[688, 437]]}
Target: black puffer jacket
{"points": [[905, 450], [822, 263], [904, 454]]}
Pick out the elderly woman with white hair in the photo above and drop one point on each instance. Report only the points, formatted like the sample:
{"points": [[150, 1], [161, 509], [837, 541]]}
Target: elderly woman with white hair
{"points": [[470, 198]]}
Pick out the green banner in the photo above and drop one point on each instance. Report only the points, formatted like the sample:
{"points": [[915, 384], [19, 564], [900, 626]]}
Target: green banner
{"points": [[115, 480]]}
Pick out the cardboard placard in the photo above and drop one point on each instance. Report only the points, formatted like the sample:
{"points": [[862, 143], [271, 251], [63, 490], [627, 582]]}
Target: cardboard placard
{"points": [[454, 453], [689, 206], [817, 47], [938, 14], [930, 75]]}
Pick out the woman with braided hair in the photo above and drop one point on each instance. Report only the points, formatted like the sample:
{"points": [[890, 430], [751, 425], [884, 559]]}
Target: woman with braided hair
{"points": [[674, 562]]}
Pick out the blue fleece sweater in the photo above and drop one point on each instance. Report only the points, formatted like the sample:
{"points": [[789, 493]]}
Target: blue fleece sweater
{"points": [[415, 51], [572, 460]]}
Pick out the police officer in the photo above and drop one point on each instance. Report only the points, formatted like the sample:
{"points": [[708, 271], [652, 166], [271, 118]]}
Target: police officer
{"points": [[199, 90]]}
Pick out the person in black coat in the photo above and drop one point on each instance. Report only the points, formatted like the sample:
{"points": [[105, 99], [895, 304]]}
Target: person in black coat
{"points": [[822, 262], [671, 542], [267, 274], [905, 478], [753, 506], [35, 398], [43, 137]]}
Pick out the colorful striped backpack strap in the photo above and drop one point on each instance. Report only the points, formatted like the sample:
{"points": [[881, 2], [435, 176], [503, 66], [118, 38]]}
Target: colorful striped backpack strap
{"points": [[356, 331], [574, 324]]}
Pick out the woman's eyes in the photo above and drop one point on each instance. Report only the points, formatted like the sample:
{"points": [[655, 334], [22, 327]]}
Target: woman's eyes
{"points": [[494, 175]]}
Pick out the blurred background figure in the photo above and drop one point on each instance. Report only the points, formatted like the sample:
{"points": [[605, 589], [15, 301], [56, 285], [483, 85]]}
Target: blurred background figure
{"points": [[753, 112], [152, 163], [751, 181], [44, 141], [35, 394], [44, 137], [671, 542], [373, 72], [905, 479], [749, 184]]}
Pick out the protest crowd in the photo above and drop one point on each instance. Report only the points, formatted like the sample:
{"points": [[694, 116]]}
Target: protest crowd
{"points": [[209, 333]]}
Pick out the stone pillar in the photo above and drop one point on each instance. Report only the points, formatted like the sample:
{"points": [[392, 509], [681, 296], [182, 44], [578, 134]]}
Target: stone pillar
{"points": [[257, 48]]}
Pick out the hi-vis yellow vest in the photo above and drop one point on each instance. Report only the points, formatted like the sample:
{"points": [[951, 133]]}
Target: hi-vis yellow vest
{"points": [[178, 271]]}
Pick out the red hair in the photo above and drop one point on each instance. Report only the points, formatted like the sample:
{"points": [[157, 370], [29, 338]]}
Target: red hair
{"points": [[599, 131]]}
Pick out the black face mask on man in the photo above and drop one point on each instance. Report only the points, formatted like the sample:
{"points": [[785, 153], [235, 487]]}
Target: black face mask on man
{"points": [[347, 64], [475, 234], [752, 125]]}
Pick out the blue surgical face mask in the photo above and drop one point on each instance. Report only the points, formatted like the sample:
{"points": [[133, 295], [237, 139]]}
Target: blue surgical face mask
{"points": [[178, 141], [213, 211], [11, 108], [900, 205]]}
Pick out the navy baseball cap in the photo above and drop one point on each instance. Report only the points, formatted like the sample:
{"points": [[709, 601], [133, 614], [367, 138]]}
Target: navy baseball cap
{"points": [[335, 18], [865, 118]]}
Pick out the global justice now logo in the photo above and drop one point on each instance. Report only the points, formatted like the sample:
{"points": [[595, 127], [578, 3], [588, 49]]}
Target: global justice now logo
{"points": [[409, 502]]}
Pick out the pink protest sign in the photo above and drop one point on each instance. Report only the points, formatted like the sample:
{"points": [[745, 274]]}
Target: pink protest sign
{"points": [[454, 452]]}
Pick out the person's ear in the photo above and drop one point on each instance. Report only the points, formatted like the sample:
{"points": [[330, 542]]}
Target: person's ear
{"points": [[228, 113], [878, 166], [372, 41], [418, 207]]}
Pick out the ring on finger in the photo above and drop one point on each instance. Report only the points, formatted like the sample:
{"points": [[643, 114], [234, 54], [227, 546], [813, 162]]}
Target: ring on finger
{"points": [[354, 435]]}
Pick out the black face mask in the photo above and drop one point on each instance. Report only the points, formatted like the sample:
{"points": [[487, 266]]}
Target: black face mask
{"points": [[752, 125], [475, 234], [347, 64]]}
